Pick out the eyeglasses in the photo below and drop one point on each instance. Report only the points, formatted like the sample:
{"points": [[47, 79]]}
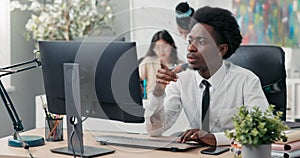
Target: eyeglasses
{"points": [[198, 41], [162, 47]]}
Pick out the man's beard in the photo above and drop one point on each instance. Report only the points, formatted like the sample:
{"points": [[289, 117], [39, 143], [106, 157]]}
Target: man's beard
{"points": [[197, 68]]}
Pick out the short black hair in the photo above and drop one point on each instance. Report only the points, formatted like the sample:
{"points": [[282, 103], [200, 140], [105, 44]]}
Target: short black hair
{"points": [[224, 24], [183, 15]]}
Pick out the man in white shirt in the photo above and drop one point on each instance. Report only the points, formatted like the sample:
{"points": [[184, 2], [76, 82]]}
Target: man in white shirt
{"points": [[214, 36]]}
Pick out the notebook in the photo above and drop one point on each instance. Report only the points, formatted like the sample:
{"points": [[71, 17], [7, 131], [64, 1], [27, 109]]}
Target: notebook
{"points": [[146, 143]]}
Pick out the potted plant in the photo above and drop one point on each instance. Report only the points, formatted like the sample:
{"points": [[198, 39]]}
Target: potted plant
{"points": [[65, 19], [256, 131]]}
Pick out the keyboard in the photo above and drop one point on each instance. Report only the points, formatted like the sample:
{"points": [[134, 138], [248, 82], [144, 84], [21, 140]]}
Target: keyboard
{"points": [[145, 143]]}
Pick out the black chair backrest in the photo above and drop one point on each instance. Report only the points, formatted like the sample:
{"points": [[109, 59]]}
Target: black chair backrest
{"points": [[267, 62]]}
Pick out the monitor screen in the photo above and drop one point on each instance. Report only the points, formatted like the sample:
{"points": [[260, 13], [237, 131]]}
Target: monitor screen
{"points": [[109, 79]]}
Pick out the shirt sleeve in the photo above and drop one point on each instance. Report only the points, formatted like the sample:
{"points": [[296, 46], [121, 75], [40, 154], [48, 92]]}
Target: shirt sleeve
{"points": [[221, 139], [254, 95], [162, 112], [154, 115]]}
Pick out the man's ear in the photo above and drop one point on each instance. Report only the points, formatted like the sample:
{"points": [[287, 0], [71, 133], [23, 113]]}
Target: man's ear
{"points": [[223, 48]]}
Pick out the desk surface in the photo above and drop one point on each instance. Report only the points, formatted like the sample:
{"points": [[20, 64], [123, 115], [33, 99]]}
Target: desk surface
{"points": [[121, 152]]}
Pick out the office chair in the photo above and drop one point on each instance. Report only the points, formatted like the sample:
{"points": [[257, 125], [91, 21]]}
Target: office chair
{"points": [[267, 62]]}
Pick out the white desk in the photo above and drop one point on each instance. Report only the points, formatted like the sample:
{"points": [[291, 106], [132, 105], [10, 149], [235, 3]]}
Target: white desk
{"points": [[121, 152]]}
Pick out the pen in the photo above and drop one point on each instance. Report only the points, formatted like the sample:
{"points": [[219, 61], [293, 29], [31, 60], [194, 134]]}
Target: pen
{"points": [[46, 113], [54, 128], [145, 89]]}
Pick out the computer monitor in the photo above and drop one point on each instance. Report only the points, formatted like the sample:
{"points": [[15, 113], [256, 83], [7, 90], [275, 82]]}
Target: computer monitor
{"points": [[109, 79], [102, 39]]}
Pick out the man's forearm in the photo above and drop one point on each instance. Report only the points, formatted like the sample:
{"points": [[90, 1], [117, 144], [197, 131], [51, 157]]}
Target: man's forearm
{"points": [[158, 90], [154, 125], [209, 139], [154, 115]]}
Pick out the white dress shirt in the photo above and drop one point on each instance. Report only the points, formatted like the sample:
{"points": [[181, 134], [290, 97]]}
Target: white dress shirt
{"points": [[231, 87]]}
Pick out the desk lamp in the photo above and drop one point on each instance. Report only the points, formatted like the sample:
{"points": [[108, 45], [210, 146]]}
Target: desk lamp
{"points": [[17, 140]]}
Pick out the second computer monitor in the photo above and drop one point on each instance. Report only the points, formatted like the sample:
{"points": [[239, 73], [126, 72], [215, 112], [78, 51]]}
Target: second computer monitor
{"points": [[109, 79]]}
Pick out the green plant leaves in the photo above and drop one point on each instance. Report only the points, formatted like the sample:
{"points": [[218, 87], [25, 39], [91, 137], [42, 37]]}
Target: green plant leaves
{"points": [[255, 127]]}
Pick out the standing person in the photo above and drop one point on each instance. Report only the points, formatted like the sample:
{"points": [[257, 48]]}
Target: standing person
{"points": [[210, 93], [183, 14], [162, 48]]}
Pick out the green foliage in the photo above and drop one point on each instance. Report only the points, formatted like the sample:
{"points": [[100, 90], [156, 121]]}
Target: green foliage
{"points": [[64, 19], [256, 128]]}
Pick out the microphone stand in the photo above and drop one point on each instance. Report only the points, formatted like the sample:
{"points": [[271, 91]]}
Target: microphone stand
{"points": [[17, 140]]}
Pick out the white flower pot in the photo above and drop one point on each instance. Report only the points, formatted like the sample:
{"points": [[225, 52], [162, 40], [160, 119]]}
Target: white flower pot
{"points": [[262, 151]]}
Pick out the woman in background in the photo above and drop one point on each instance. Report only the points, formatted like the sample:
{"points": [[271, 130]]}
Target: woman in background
{"points": [[162, 48]]}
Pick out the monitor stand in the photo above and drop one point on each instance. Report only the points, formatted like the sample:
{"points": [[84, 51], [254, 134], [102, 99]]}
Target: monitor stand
{"points": [[73, 111]]}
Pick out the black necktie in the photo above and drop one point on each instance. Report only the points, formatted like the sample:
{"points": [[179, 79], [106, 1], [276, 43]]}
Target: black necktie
{"points": [[205, 106]]}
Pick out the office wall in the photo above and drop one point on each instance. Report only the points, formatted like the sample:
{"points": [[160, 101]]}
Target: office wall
{"points": [[148, 17], [27, 84], [5, 38]]}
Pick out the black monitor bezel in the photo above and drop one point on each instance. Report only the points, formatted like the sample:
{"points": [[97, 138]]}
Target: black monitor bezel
{"points": [[67, 52]]}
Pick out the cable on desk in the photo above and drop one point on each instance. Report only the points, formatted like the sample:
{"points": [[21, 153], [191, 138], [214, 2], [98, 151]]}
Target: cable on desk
{"points": [[71, 141], [81, 147]]}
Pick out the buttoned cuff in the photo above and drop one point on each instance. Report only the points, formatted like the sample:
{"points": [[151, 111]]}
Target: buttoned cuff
{"points": [[221, 139]]}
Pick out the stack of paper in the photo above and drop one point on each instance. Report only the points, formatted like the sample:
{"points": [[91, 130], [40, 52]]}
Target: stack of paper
{"points": [[289, 148]]}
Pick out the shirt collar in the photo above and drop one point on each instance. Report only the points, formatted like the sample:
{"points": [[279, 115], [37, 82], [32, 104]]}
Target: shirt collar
{"points": [[216, 79]]}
